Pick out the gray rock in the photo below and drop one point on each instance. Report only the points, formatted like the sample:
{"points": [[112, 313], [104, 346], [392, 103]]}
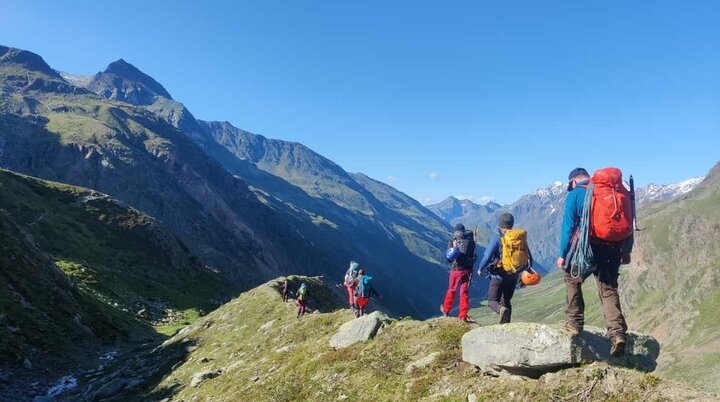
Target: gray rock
{"points": [[110, 389], [422, 363], [531, 349], [266, 326], [200, 377], [358, 330], [27, 364], [472, 398]]}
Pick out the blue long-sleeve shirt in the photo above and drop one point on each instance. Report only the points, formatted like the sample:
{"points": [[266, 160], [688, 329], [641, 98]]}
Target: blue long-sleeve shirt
{"points": [[492, 252], [571, 219]]}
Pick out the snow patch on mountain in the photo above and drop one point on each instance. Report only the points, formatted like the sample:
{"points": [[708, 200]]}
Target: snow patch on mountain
{"points": [[550, 192], [81, 81], [662, 192]]}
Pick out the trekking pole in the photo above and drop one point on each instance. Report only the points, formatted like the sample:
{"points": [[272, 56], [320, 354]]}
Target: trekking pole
{"points": [[632, 200]]}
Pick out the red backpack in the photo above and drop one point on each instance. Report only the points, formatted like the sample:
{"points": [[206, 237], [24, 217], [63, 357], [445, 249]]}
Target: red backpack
{"points": [[611, 216]]}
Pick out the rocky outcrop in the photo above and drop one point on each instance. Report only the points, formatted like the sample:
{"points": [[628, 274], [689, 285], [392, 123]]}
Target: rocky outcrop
{"points": [[358, 330], [202, 376], [531, 349]]}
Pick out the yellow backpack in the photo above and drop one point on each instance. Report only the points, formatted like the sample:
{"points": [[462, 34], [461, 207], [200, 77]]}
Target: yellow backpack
{"points": [[514, 250]]}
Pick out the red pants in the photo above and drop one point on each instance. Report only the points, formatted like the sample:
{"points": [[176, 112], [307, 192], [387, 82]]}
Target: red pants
{"points": [[362, 301], [462, 278], [351, 295]]}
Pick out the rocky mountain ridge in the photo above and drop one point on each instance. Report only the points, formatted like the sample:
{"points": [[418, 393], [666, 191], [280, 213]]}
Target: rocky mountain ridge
{"points": [[247, 222]]}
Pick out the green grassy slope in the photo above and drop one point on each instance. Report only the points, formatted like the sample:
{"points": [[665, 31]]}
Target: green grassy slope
{"points": [[120, 256], [263, 353], [44, 316]]}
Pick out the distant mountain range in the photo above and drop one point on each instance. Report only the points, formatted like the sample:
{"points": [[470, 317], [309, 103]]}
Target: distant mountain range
{"points": [[540, 212], [663, 192]]}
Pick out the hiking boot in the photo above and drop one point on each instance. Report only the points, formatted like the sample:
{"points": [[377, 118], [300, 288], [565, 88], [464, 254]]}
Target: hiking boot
{"points": [[469, 320], [504, 313], [574, 330], [617, 346], [442, 310]]}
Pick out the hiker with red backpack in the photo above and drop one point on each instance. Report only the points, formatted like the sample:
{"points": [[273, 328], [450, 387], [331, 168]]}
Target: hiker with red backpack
{"points": [[506, 257], [461, 254], [596, 238]]}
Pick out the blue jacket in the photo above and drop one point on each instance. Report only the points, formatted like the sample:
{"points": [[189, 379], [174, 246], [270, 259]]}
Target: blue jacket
{"points": [[573, 214], [494, 252]]}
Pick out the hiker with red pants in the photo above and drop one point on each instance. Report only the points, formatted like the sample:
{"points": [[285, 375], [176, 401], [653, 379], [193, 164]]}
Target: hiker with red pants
{"points": [[461, 254], [506, 257], [595, 239], [350, 283]]}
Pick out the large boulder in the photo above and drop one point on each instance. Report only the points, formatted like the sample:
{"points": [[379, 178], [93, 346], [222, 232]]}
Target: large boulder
{"points": [[531, 349], [358, 330]]}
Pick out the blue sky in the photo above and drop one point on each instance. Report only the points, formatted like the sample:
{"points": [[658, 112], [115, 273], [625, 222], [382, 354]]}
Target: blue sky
{"points": [[479, 98]]}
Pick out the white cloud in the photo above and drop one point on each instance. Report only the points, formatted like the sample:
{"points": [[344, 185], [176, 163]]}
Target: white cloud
{"points": [[391, 178], [434, 176]]}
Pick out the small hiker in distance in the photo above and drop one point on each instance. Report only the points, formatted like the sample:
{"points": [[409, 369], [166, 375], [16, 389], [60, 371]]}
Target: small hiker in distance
{"points": [[350, 283], [284, 287], [302, 298], [364, 290]]}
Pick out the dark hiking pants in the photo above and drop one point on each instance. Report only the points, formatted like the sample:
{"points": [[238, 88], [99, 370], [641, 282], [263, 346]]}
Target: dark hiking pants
{"points": [[607, 257], [501, 291]]}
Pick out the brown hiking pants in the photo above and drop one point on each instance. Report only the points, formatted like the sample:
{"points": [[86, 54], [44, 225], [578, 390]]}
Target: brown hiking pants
{"points": [[607, 257]]}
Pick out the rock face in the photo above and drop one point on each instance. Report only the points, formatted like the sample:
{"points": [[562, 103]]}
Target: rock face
{"points": [[531, 349], [358, 330]]}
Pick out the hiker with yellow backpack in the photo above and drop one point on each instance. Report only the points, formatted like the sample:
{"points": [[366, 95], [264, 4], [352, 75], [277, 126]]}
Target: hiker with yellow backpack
{"points": [[506, 258]]}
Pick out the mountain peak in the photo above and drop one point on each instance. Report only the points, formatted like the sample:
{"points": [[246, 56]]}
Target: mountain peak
{"points": [[27, 59], [123, 68], [550, 191], [124, 82]]}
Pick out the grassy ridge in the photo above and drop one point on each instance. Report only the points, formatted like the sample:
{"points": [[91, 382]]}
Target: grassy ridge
{"points": [[261, 352]]}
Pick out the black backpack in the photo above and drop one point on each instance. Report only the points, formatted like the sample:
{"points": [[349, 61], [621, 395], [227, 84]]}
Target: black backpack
{"points": [[465, 241]]}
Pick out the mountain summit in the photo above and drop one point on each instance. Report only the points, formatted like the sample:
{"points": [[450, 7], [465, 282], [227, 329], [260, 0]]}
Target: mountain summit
{"points": [[124, 82], [26, 59]]}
